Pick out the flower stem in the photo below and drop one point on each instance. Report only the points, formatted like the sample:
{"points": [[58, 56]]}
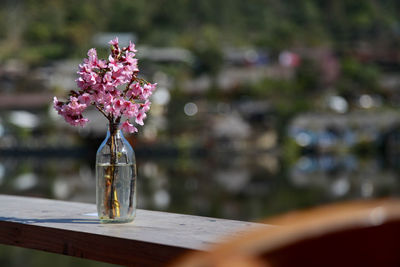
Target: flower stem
{"points": [[102, 112], [111, 198]]}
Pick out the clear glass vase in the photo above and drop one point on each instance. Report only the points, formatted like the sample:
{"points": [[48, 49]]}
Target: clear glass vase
{"points": [[115, 178]]}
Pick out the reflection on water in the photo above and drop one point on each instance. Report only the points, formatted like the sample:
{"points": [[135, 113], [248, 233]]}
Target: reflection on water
{"points": [[345, 177], [244, 187]]}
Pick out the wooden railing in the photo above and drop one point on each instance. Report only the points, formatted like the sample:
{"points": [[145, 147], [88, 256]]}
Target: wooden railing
{"points": [[68, 228]]}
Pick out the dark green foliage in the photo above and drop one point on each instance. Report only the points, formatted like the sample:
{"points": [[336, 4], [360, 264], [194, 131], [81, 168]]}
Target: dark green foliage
{"points": [[358, 78], [69, 24]]}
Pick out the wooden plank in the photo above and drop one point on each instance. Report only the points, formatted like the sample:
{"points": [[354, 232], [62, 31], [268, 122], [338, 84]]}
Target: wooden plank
{"points": [[152, 239]]}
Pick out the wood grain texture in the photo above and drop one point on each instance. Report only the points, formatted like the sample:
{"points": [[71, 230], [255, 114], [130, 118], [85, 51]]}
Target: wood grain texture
{"points": [[152, 239]]}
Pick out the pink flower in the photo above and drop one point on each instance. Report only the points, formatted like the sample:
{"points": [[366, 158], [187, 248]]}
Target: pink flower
{"points": [[109, 108], [84, 98], [114, 42], [113, 64], [80, 122], [74, 107], [57, 105], [132, 66], [121, 76], [127, 105], [148, 90], [93, 77], [127, 127], [108, 79], [131, 60], [140, 117], [146, 106], [92, 55], [81, 83], [72, 112], [103, 98], [76, 121], [134, 90], [102, 64], [118, 104], [131, 110], [131, 47], [115, 50]]}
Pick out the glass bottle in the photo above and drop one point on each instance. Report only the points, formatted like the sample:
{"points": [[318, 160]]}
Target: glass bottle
{"points": [[115, 178]]}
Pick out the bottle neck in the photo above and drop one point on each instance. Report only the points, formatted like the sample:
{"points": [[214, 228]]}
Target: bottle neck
{"points": [[114, 129]]}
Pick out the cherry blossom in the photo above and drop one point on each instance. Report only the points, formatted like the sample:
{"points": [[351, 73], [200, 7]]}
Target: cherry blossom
{"points": [[112, 86], [128, 127]]}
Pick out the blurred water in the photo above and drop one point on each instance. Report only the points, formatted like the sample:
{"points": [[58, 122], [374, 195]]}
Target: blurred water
{"points": [[223, 185]]}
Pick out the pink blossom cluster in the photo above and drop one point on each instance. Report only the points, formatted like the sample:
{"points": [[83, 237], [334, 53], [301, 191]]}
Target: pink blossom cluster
{"points": [[112, 86]]}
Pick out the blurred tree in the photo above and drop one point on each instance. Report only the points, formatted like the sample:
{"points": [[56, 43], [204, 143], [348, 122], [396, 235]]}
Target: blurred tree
{"points": [[60, 28], [357, 78]]}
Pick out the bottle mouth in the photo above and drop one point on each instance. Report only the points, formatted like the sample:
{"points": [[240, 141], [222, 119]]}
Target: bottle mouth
{"points": [[113, 126]]}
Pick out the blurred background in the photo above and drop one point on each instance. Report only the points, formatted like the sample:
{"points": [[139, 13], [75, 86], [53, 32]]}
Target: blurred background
{"points": [[262, 107]]}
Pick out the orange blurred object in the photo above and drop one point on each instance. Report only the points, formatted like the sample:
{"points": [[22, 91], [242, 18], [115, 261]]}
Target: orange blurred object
{"points": [[360, 233]]}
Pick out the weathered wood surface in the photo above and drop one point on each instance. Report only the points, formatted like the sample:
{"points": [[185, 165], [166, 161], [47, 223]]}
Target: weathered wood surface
{"points": [[153, 239]]}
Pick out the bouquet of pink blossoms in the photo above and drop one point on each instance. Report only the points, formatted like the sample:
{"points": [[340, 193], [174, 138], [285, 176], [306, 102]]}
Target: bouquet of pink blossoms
{"points": [[112, 86]]}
